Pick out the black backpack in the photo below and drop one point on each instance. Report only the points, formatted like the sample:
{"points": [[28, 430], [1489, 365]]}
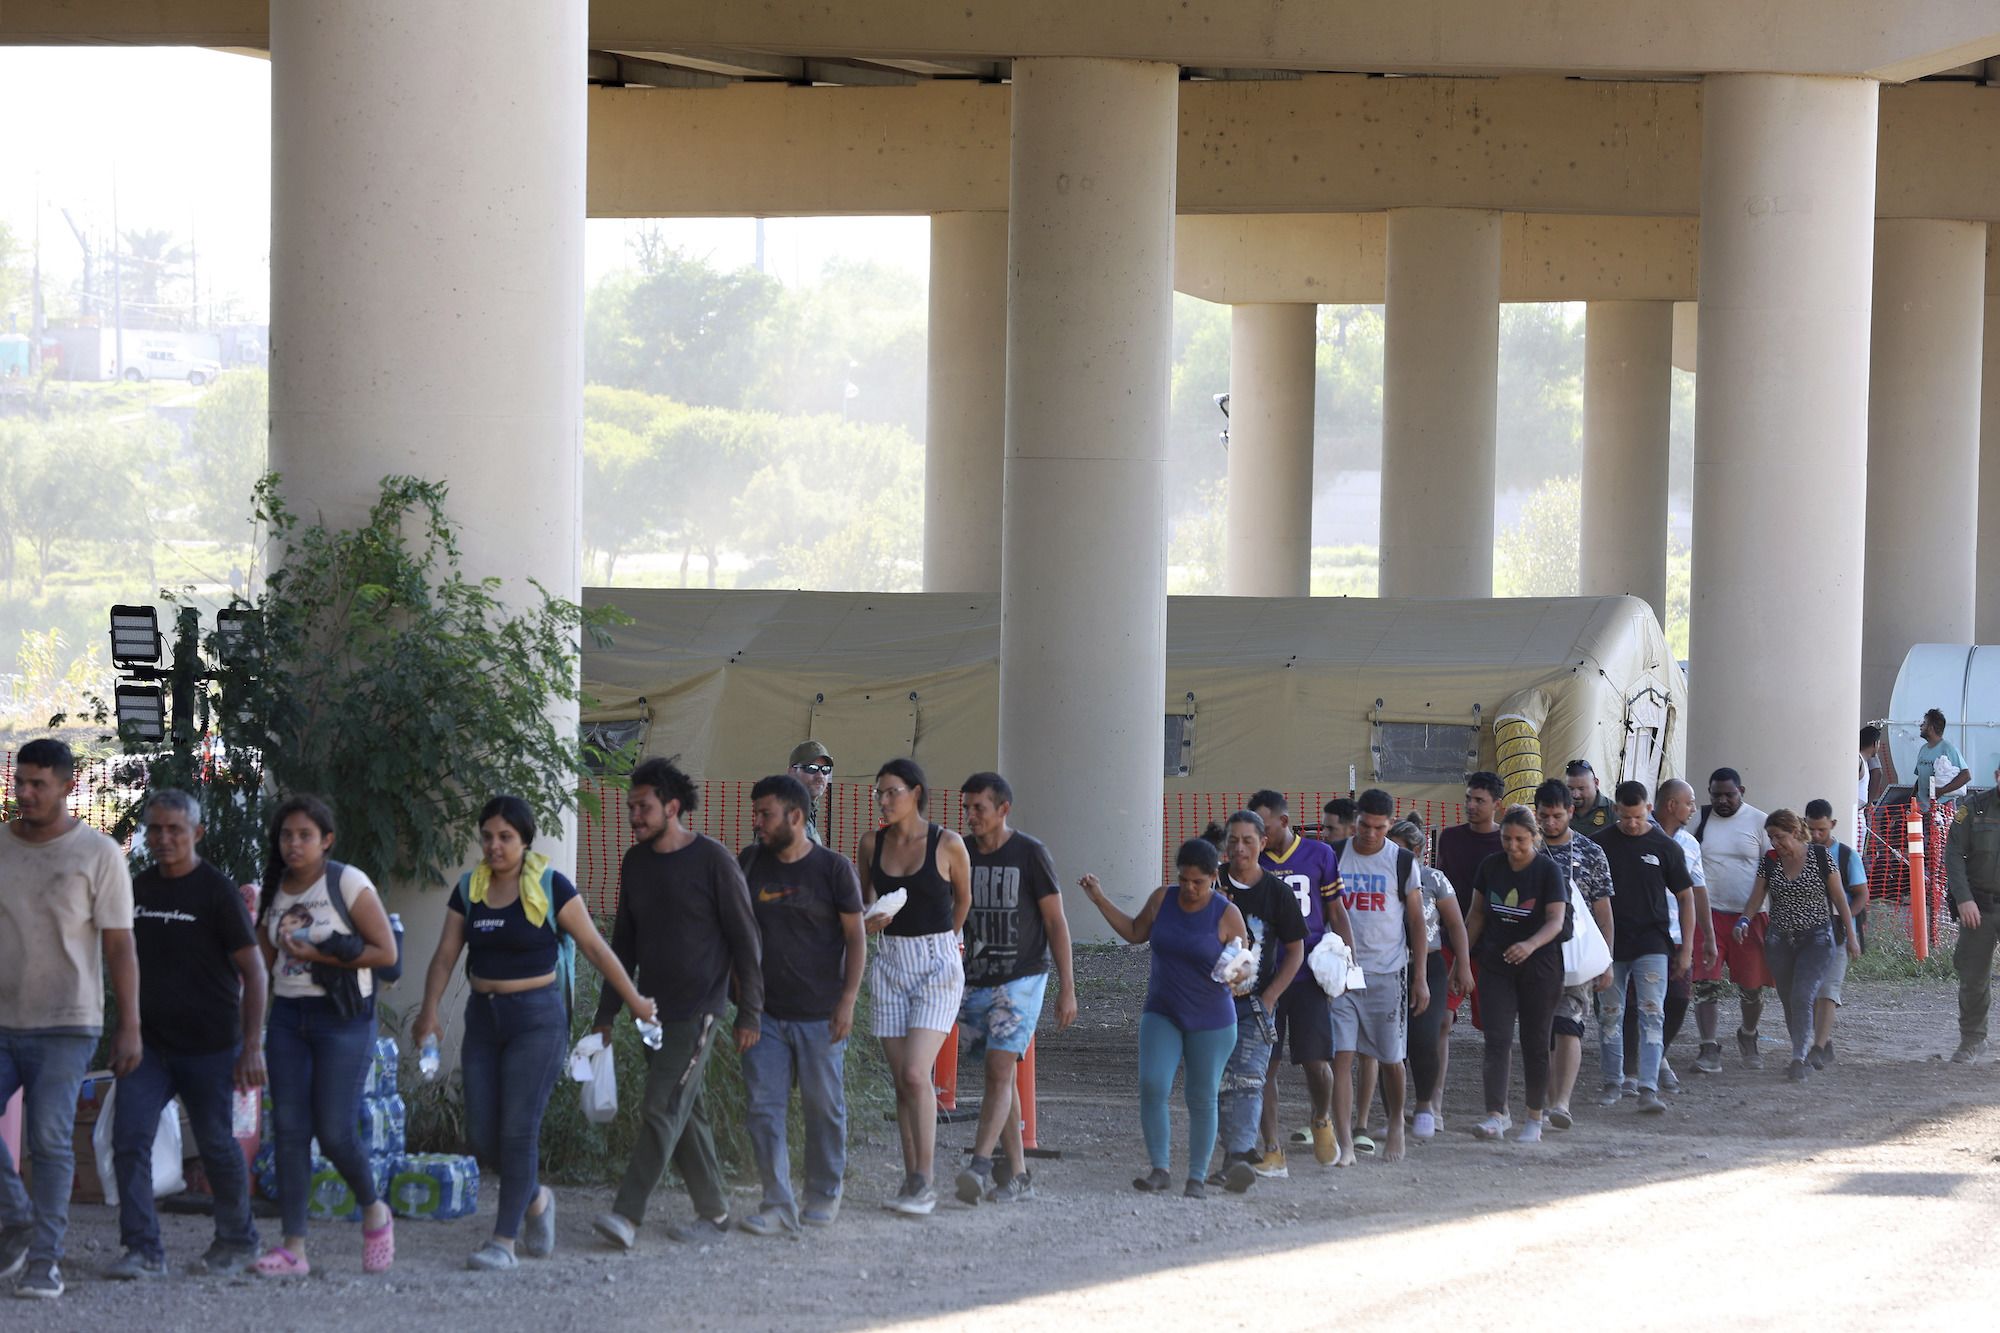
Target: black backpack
{"points": [[1406, 861], [384, 976]]}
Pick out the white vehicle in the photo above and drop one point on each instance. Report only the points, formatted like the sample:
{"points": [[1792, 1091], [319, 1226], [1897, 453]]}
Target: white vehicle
{"points": [[169, 361]]}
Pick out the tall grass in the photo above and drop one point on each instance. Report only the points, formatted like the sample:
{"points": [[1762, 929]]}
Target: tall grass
{"points": [[1891, 956]]}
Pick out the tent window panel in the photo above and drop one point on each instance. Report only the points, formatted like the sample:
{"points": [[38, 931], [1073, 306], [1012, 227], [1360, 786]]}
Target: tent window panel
{"points": [[606, 743], [1423, 751], [1180, 743]]}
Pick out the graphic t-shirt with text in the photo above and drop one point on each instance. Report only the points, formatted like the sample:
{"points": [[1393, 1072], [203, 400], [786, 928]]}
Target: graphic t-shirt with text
{"points": [[1005, 938], [1374, 901], [1308, 870]]}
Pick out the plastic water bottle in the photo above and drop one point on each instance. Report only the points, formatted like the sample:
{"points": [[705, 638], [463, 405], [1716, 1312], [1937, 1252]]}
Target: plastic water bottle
{"points": [[650, 1032], [427, 1059]]}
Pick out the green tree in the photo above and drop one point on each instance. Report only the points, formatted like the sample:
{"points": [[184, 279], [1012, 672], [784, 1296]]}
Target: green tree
{"points": [[1540, 403], [78, 480], [1347, 398], [1537, 555], [15, 293], [679, 327], [232, 449], [861, 325], [1195, 552], [151, 264]]}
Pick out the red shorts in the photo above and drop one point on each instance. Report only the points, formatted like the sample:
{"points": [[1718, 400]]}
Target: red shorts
{"points": [[1743, 959], [1452, 1001]]}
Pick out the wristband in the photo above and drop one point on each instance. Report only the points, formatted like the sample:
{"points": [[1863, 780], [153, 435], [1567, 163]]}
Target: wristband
{"points": [[1743, 920]]}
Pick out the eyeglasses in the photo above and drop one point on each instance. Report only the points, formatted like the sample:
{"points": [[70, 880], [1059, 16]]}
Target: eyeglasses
{"points": [[890, 793], [824, 770]]}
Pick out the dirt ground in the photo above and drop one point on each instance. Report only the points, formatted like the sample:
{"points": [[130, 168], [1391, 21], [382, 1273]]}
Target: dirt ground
{"points": [[1868, 1199]]}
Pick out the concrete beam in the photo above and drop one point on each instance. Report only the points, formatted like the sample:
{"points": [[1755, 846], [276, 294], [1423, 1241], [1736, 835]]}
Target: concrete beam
{"points": [[1335, 144], [1890, 40], [1337, 258]]}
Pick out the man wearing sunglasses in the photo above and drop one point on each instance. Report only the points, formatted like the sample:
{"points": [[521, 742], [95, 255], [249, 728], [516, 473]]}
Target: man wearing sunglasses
{"points": [[812, 765]]}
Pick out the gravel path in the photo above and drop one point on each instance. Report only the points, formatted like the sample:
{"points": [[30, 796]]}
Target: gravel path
{"points": [[1848, 1203]]}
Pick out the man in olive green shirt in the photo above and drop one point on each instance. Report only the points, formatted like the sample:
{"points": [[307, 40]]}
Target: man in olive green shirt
{"points": [[1972, 874]]}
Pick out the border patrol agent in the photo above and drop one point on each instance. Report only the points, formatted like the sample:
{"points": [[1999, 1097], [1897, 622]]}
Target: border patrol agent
{"points": [[1972, 874]]}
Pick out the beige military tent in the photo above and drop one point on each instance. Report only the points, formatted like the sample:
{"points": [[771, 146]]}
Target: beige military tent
{"points": [[1309, 695]]}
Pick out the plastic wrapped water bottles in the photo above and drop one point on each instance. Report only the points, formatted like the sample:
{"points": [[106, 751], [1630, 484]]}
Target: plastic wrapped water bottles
{"points": [[382, 1125], [381, 1080], [438, 1186]]}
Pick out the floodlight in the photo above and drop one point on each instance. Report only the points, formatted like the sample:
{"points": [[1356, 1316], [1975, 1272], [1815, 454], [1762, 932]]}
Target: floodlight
{"points": [[232, 633], [135, 636], [142, 712]]}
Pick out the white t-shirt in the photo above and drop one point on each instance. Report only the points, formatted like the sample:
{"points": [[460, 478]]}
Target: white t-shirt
{"points": [[57, 898], [1374, 903], [1731, 851], [312, 912]]}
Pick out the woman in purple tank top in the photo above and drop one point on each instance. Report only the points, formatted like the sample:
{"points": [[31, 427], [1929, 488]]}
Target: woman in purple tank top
{"points": [[1189, 1018]]}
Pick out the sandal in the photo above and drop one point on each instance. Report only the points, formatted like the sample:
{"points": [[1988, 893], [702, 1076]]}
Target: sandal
{"points": [[280, 1262], [1364, 1145], [378, 1248]]}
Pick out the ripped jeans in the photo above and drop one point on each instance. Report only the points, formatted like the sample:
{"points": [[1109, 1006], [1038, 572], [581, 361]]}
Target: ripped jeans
{"points": [[1648, 974], [1242, 1097]]}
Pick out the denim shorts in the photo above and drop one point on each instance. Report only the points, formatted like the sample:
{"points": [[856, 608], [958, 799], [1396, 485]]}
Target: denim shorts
{"points": [[1002, 1017]]}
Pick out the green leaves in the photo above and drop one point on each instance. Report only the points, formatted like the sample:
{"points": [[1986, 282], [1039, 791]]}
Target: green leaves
{"points": [[381, 675]]}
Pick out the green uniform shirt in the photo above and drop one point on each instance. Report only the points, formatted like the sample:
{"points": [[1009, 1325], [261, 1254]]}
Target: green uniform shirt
{"points": [[1972, 851]]}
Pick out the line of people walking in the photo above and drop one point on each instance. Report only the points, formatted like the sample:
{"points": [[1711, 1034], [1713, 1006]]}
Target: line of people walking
{"points": [[208, 996]]}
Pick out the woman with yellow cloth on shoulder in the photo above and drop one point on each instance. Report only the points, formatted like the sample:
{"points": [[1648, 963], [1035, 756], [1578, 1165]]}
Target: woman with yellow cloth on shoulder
{"points": [[509, 914]]}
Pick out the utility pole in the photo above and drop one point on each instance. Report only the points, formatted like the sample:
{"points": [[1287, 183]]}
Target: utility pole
{"points": [[117, 288], [36, 315]]}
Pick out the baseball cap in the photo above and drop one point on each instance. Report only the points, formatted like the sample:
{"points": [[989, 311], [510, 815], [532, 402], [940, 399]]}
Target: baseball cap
{"points": [[805, 752]]}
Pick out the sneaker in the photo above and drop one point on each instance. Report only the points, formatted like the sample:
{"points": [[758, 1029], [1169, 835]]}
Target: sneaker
{"points": [[1194, 1189], [492, 1257], [1746, 1044], [1272, 1165], [765, 1222], [974, 1184], [1018, 1189], [1669, 1081], [1156, 1181], [1492, 1127], [1325, 1148], [133, 1266], [1814, 1059], [13, 1249], [1425, 1126], [1529, 1131], [42, 1282], [225, 1260], [1798, 1071], [616, 1228], [1825, 1054], [1239, 1176], [1968, 1052], [706, 1230], [1709, 1059], [1559, 1117], [919, 1204], [1612, 1094], [1630, 1087], [1650, 1103], [821, 1212]]}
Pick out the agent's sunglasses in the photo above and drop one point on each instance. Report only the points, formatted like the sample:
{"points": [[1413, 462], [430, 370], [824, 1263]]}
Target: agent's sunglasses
{"points": [[823, 770]]}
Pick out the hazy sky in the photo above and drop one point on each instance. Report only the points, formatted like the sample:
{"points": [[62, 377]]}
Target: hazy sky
{"points": [[186, 134]]}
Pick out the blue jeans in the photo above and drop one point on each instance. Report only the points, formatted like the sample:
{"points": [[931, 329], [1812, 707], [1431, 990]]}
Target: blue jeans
{"points": [[205, 1084], [48, 1068], [1799, 965], [513, 1051], [1242, 1097], [317, 1062], [803, 1051], [1648, 974]]}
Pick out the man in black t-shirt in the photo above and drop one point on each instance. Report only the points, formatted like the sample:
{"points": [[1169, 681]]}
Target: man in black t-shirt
{"points": [[808, 905], [1271, 913], [201, 1021], [1646, 867], [1016, 921]]}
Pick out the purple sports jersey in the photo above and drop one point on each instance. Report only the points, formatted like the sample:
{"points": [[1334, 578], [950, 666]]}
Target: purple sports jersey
{"points": [[1306, 868]]}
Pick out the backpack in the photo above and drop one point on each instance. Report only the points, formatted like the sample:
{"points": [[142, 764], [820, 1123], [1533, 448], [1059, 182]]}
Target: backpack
{"points": [[565, 942], [1702, 823], [384, 976]]}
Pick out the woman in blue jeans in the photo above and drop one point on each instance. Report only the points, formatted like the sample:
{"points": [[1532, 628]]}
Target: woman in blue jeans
{"points": [[509, 914], [1798, 881], [1189, 1018], [321, 1035]]}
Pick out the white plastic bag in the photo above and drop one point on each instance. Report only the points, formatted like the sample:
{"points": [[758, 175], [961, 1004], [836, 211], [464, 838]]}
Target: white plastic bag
{"points": [[887, 905], [1585, 954], [167, 1178], [594, 1064], [1333, 966]]}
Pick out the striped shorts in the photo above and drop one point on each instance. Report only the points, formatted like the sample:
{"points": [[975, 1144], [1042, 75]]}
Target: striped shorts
{"points": [[918, 982]]}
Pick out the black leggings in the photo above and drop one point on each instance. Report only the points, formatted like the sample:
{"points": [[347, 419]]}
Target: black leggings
{"points": [[1530, 992], [1679, 991], [1425, 1062]]}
